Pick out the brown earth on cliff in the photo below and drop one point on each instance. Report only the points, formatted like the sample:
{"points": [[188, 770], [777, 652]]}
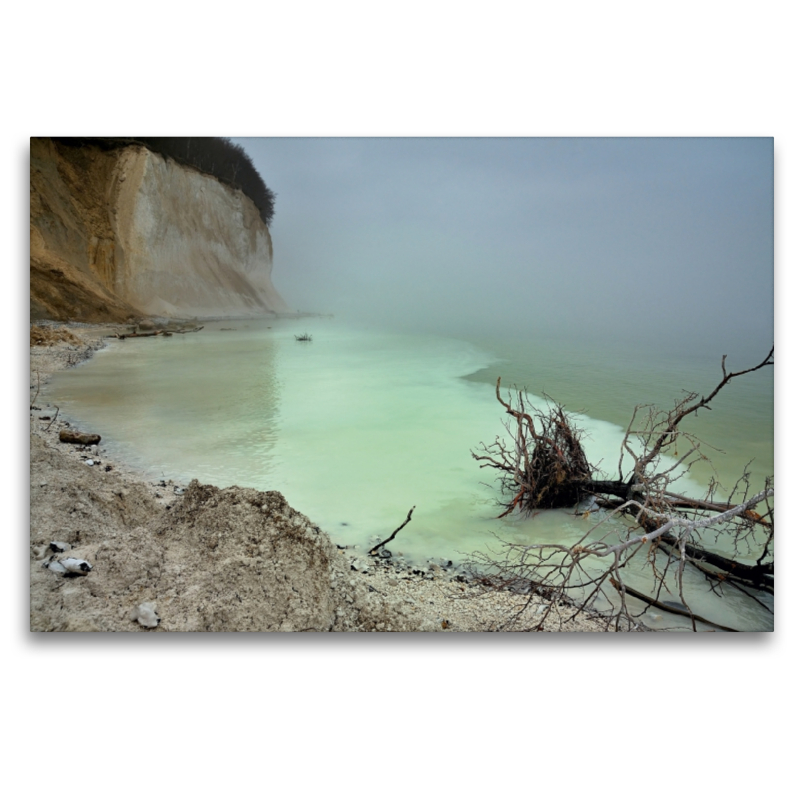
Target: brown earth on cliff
{"points": [[68, 222], [61, 292]]}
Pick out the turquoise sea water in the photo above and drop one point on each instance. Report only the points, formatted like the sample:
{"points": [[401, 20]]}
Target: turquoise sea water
{"points": [[359, 425]]}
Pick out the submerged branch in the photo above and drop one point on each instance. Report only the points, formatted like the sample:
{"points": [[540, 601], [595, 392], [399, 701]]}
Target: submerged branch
{"points": [[651, 601]]}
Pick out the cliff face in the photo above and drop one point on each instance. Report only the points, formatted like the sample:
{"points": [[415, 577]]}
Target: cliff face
{"points": [[125, 232]]}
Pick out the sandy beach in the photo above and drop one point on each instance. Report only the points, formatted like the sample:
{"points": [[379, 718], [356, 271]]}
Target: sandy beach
{"points": [[170, 557]]}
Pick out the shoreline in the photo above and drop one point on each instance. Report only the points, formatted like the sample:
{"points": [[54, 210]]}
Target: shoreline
{"points": [[200, 556]]}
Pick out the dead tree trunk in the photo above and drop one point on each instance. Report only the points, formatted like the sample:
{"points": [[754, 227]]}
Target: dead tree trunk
{"points": [[544, 466]]}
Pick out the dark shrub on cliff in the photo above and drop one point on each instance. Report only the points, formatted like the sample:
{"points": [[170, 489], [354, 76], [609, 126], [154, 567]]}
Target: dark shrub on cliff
{"points": [[209, 154]]}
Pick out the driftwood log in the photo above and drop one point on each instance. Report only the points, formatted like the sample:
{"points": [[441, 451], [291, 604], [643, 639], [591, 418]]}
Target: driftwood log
{"points": [[76, 437], [163, 332]]}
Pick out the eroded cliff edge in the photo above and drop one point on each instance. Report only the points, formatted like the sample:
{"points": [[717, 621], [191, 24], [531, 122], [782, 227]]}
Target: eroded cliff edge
{"points": [[125, 232]]}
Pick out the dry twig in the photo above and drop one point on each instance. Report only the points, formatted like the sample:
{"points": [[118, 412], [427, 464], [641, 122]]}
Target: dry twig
{"points": [[379, 546]]}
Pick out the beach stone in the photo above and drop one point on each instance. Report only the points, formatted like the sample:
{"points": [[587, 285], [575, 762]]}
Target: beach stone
{"points": [[73, 566], [145, 614]]}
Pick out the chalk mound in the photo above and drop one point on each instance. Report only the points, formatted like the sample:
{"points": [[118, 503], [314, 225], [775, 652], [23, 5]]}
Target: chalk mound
{"points": [[243, 560]]}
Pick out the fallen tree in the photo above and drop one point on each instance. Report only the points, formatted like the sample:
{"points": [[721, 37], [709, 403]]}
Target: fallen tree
{"points": [[637, 516]]}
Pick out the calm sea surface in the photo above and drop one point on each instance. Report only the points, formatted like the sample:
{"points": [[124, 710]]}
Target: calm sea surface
{"points": [[359, 425]]}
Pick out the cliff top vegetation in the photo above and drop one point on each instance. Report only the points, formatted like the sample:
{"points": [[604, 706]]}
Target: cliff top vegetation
{"points": [[212, 155]]}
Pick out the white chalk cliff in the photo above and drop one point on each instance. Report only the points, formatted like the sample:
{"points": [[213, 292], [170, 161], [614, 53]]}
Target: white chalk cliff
{"points": [[125, 232]]}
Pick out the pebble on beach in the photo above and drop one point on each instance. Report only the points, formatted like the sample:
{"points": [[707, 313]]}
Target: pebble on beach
{"points": [[145, 614], [70, 566]]}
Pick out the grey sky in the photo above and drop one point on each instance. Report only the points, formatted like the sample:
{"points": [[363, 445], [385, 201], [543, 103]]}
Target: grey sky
{"points": [[618, 237]]}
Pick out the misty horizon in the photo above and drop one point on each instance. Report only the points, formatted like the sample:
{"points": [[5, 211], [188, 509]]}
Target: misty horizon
{"points": [[648, 240]]}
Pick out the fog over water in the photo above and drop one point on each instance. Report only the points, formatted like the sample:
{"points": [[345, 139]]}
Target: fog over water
{"points": [[660, 240]]}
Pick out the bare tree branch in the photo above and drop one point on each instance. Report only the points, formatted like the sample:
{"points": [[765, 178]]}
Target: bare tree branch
{"points": [[544, 467]]}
